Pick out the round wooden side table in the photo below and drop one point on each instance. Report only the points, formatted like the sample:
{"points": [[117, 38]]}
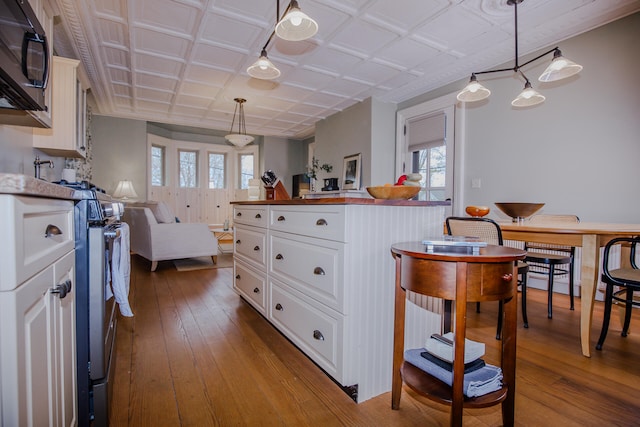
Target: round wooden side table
{"points": [[490, 275]]}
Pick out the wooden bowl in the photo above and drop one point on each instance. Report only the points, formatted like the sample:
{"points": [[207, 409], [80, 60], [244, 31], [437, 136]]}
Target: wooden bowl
{"points": [[519, 211], [478, 211], [395, 192]]}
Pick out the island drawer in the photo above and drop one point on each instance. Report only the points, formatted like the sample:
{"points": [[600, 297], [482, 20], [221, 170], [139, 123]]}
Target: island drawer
{"points": [[256, 216], [324, 222], [251, 285], [251, 243]]}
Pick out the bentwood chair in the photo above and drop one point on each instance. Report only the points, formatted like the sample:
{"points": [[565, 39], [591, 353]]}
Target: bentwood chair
{"points": [[552, 260], [621, 284], [489, 231]]}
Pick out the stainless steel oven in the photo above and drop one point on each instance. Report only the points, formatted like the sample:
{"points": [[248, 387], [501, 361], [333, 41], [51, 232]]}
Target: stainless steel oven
{"points": [[97, 222]]}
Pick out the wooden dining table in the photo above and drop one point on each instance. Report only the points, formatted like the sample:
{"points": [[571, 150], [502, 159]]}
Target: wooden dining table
{"points": [[590, 236]]}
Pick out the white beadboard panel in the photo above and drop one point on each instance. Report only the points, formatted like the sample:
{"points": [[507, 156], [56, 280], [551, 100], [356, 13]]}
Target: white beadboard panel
{"points": [[370, 281]]}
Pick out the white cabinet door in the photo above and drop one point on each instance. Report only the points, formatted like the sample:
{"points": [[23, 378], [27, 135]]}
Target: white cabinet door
{"points": [[64, 319], [27, 353]]}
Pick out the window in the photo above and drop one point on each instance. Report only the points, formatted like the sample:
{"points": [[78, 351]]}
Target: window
{"points": [[157, 165], [246, 170], [431, 162], [217, 176], [188, 168]]}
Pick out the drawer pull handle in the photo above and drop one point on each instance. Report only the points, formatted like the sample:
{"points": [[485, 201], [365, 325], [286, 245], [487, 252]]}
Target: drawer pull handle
{"points": [[238, 242], [318, 335], [256, 290], [279, 307], [52, 230], [237, 277], [62, 289], [507, 277], [258, 216], [256, 248], [281, 218], [318, 271], [321, 221], [279, 257], [239, 214]]}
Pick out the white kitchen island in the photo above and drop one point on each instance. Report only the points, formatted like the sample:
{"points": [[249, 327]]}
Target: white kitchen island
{"points": [[321, 271]]}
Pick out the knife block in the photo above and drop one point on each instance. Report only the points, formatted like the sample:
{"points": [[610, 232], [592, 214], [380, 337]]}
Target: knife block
{"points": [[277, 192]]}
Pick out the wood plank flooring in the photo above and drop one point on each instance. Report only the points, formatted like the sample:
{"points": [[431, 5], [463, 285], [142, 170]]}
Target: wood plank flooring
{"points": [[195, 354]]}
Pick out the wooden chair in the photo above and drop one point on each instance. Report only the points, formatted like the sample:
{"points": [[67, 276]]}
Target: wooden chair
{"points": [[489, 231], [627, 281], [550, 259]]}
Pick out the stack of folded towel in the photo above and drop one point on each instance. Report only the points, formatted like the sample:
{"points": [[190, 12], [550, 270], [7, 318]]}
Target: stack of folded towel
{"points": [[437, 357]]}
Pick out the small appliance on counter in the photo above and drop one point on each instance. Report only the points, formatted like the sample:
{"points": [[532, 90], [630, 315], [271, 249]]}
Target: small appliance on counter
{"points": [[330, 184], [274, 187]]}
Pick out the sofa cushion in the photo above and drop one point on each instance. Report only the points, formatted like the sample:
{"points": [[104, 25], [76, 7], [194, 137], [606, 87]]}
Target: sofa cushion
{"points": [[162, 212]]}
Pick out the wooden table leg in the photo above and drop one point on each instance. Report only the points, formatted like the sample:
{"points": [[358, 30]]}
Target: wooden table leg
{"points": [[510, 316], [588, 281], [457, 392], [398, 337]]}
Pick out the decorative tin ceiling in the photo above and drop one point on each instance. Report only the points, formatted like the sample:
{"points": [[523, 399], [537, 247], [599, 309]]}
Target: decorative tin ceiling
{"points": [[184, 61]]}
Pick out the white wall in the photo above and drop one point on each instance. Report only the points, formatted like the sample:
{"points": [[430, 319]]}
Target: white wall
{"points": [[17, 154], [579, 151]]}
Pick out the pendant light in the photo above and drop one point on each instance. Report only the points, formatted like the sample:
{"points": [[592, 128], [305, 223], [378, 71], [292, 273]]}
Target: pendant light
{"points": [[263, 68], [296, 25], [560, 68], [528, 97], [241, 138]]}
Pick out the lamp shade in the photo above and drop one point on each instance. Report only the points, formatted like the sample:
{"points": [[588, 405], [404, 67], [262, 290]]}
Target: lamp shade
{"points": [[124, 190], [263, 68], [560, 68], [296, 25], [473, 91], [528, 97]]}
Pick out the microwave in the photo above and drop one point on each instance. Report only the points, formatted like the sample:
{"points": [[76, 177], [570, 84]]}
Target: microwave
{"points": [[24, 57]]}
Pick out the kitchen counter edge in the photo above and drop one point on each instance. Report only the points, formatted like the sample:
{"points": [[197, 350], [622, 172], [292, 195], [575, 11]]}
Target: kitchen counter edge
{"points": [[342, 201], [23, 185]]}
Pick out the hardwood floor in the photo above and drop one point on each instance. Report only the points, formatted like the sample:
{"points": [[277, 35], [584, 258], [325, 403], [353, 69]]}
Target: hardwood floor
{"points": [[195, 354]]}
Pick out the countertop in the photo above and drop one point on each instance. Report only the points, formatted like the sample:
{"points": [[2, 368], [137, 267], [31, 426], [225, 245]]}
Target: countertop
{"points": [[23, 185], [342, 201]]}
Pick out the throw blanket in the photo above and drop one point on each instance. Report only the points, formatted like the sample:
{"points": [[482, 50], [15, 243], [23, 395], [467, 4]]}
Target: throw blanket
{"points": [[476, 383], [121, 270]]}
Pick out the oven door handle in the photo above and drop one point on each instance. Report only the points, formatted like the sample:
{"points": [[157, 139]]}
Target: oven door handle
{"points": [[112, 234]]}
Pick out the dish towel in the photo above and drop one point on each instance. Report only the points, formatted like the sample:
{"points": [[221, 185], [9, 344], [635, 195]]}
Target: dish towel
{"points": [[476, 383], [121, 270]]}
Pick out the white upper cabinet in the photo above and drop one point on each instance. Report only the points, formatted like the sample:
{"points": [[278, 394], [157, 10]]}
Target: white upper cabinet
{"points": [[67, 135]]}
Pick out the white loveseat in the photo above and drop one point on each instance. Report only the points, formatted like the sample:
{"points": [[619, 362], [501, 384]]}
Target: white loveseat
{"points": [[156, 236]]}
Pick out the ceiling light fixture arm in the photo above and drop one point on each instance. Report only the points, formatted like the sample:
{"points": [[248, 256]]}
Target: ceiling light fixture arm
{"points": [[278, 18]]}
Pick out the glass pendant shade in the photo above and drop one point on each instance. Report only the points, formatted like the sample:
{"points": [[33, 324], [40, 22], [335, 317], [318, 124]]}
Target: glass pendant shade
{"points": [[560, 68], [474, 91], [263, 68], [296, 25], [241, 138], [528, 97]]}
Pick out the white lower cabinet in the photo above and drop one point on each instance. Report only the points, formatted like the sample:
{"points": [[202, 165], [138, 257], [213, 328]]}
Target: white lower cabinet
{"points": [[324, 276], [37, 332]]}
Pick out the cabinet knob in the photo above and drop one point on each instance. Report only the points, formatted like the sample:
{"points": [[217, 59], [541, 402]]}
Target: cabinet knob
{"points": [[256, 290], [281, 218], [318, 335], [239, 214], [256, 248], [507, 277], [237, 277], [279, 307], [238, 242], [318, 271], [62, 289], [321, 221], [279, 257], [258, 216]]}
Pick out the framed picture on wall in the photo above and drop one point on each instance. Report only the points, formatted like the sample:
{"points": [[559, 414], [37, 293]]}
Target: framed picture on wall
{"points": [[351, 172]]}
